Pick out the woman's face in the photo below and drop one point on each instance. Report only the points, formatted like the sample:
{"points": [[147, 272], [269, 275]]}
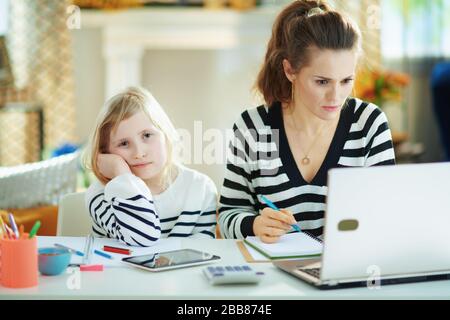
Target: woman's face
{"points": [[141, 145], [323, 86]]}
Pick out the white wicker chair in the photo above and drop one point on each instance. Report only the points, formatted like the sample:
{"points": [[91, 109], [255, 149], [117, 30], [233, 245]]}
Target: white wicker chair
{"points": [[38, 183]]}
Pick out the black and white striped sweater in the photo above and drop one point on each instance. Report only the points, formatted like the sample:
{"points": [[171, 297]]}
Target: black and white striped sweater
{"points": [[260, 162], [126, 210]]}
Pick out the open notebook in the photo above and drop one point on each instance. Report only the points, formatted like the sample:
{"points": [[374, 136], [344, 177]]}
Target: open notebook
{"points": [[290, 246]]}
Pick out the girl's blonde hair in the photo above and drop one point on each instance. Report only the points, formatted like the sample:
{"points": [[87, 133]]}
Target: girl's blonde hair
{"points": [[121, 107]]}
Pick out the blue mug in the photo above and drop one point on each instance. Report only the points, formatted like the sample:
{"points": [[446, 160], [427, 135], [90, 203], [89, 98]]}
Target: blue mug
{"points": [[53, 261]]}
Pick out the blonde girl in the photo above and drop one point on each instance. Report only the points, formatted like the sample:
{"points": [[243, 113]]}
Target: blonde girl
{"points": [[142, 193]]}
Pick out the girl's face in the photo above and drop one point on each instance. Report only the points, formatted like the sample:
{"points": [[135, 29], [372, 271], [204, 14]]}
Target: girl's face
{"points": [[141, 145], [323, 86]]}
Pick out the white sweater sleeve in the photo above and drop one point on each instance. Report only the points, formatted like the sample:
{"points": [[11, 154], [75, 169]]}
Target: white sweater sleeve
{"points": [[124, 210], [205, 226]]}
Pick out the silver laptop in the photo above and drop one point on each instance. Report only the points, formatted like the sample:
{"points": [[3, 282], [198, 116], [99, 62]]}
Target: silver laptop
{"points": [[383, 225]]}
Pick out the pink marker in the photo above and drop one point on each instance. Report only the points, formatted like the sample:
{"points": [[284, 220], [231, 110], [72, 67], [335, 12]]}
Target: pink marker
{"points": [[91, 267]]}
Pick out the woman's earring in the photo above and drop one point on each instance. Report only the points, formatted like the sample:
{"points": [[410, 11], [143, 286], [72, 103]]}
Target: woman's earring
{"points": [[292, 92]]}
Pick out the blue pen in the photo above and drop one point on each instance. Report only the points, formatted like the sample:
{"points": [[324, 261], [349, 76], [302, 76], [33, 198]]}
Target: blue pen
{"points": [[274, 207], [79, 253], [105, 255]]}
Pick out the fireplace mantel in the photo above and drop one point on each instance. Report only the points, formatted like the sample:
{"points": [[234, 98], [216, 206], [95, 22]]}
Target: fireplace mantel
{"points": [[127, 34]]}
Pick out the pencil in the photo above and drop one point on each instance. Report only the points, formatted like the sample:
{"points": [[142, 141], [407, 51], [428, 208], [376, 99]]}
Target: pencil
{"points": [[2, 228], [13, 224], [35, 229], [105, 255]]}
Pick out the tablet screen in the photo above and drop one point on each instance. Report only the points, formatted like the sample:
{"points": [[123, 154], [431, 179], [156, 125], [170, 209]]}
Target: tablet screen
{"points": [[171, 258]]}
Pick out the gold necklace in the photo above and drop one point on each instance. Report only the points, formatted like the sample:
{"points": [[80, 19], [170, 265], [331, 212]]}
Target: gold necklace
{"points": [[306, 160]]}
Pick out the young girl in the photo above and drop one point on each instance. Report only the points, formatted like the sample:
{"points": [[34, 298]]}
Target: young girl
{"points": [[308, 125], [143, 194]]}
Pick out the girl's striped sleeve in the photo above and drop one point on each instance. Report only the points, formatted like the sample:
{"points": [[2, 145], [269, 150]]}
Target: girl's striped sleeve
{"points": [[124, 210]]}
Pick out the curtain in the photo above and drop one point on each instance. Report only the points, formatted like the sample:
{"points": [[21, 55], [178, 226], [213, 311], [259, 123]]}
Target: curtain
{"points": [[415, 37]]}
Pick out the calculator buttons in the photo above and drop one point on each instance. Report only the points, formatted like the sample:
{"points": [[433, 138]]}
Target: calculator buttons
{"points": [[240, 274]]}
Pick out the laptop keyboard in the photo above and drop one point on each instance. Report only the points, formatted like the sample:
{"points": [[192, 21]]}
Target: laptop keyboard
{"points": [[315, 272]]}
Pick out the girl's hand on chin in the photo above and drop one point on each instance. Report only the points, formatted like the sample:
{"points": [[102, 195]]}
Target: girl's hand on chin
{"points": [[112, 165]]}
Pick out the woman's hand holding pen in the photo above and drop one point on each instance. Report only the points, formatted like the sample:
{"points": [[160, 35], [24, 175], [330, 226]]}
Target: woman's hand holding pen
{"points": [[270, 225], [112, 165]]}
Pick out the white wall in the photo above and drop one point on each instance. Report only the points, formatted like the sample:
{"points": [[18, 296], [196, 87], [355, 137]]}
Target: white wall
{"points": [[89, 81], [211, 88]]}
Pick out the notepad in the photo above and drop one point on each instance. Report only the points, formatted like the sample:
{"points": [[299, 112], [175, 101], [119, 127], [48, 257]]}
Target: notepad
{"points": [[289, 246]]}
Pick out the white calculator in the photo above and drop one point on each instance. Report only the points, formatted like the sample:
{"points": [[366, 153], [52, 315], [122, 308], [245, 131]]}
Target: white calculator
{"points": [[242, 274]]}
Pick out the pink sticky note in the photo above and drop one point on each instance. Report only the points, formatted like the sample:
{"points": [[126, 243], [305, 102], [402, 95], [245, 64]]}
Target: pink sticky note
{"points": [[91, 267]]}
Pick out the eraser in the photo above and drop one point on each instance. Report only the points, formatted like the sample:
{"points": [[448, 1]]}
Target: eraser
{"points": [[91, 267]]}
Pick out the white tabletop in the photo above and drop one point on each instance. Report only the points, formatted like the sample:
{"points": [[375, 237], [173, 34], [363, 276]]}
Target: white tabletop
{"points": [[190, 283]]}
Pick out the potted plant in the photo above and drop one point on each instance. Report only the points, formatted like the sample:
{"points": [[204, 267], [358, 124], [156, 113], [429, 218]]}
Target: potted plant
{"points": [[381, 86], [385, 89]]}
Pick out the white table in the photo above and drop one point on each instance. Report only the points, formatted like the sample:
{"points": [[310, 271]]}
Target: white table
{"points": [[189, 283]]}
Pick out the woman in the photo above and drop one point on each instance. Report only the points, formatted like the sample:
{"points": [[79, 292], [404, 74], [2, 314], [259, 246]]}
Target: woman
{"points": [[309, 124]]}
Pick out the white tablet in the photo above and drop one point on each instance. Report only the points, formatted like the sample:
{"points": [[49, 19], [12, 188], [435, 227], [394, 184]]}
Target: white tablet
{"points": [[171, 260]]}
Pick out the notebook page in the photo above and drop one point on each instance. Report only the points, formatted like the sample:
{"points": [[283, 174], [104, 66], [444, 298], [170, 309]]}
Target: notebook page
{"points": [[291, 244]]}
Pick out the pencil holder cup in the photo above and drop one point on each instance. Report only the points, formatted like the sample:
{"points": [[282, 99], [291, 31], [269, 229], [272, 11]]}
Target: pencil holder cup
{"points": [[19, 262], [53, 261]]}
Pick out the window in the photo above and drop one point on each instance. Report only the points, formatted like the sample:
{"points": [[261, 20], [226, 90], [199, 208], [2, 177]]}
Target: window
{"points": [[3, 16], [415, 28]]}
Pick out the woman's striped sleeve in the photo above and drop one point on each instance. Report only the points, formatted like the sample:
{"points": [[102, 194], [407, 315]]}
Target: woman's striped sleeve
{"points": [[379, 146], [237, 204]]}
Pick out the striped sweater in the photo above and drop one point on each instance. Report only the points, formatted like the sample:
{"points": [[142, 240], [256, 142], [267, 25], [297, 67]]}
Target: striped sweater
{"points": [[126, 210], [260, 162]]}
